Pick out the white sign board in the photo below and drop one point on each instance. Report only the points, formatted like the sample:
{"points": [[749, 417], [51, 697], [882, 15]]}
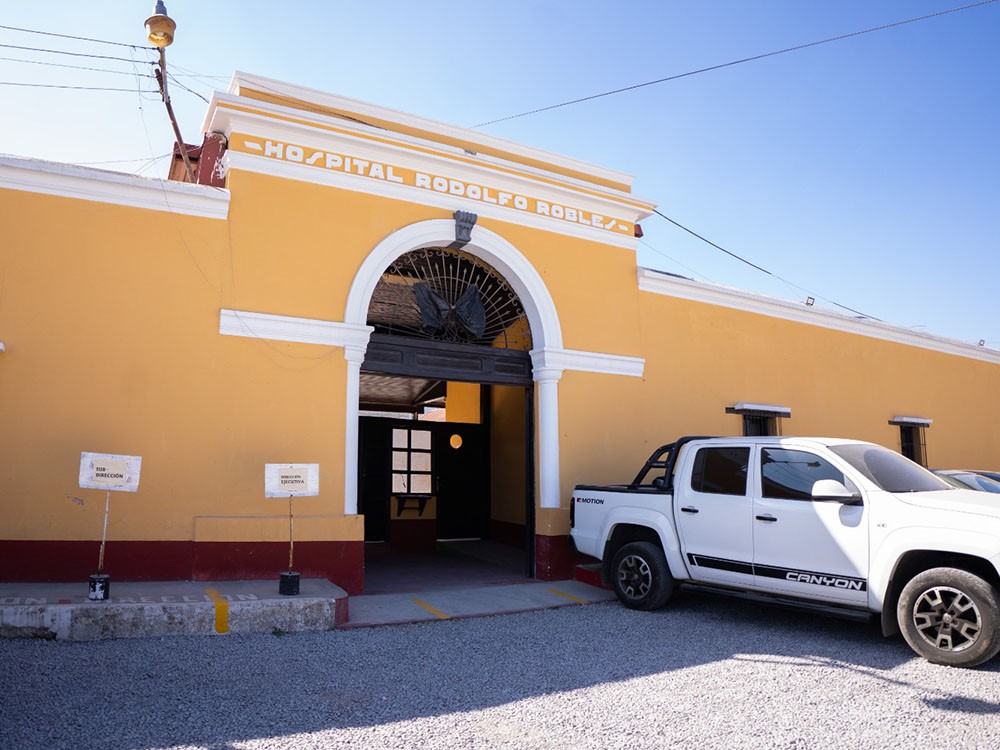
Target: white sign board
{"points": [[291, 480], [102, 471]]}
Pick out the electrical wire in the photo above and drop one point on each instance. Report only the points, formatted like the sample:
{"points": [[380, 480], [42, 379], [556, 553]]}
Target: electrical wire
{"points": [[76, 54], [674, 260], [118, 161], [75, 88], [731, 63], [65, 65], [79, 38], [170, 77], [763, 270]]}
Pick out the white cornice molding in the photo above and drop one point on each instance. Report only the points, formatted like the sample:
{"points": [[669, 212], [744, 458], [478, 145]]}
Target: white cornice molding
{"points": [[287, 328], [429, 155], [365, 109], [83, 183], [713, 294], [551, 358], [345, 181]]}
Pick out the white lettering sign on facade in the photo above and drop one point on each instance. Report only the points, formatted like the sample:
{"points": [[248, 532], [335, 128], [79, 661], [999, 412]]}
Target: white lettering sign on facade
{"points": [[438, 184], [291, 480], [102, 471]]}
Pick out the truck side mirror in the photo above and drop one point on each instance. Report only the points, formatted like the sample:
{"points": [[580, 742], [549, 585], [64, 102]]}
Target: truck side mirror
{"points": [[832, 491]]}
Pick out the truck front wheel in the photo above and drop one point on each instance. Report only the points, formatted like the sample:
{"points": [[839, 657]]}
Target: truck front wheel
{"points": [[641, 577], [950, 616]]}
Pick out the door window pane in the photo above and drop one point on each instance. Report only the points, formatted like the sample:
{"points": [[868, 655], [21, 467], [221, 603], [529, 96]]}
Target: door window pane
{"points": [[399, 483], [420, 440], [420, 461], [790, 475], [399, 438], [400, 461], [721, 471], [421, 484]]}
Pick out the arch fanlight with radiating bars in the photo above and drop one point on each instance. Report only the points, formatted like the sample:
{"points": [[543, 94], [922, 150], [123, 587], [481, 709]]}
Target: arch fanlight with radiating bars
{"points": [[441, 294]]}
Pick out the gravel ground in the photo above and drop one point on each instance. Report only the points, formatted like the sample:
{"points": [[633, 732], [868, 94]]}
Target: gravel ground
{"points": [[705, 672]]}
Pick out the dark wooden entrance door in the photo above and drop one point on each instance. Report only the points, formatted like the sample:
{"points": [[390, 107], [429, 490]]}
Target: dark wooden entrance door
{"points": [[459, 462], [462, 480], [374, 439]]}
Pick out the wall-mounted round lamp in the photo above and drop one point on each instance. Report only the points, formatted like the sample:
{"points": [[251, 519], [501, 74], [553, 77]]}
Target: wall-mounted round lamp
{"points": [[160, 27]]}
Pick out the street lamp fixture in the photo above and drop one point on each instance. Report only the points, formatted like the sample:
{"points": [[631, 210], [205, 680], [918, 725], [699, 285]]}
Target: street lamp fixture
{"points": [[160, 27], [160, 30]]}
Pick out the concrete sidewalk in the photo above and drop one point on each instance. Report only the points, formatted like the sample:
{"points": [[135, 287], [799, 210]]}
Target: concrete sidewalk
{"points": [[62, 610]]}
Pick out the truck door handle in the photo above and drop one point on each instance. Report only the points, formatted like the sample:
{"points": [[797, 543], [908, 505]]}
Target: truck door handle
{"points": [[768, 518], [688, 509]]}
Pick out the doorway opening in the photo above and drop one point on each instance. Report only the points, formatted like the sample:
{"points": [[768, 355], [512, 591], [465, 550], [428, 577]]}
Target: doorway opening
{"points": [[445, 432]]}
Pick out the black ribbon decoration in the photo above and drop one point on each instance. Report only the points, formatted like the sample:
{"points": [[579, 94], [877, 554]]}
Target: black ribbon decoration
{"points": [[436, 312]]}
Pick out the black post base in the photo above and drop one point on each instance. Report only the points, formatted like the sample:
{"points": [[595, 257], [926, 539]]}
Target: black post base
{"points": [[289, 585], [100, 587]]}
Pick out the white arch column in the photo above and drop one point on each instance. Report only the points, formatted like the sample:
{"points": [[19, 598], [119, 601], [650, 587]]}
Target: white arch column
{"points": [[539, 308], [547, 378], [355, 355]]}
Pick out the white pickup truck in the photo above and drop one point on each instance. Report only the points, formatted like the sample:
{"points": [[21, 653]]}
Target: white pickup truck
{"points": [[838, 526]]}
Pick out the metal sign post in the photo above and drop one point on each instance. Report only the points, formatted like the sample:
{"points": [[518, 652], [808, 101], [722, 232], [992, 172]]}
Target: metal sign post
{"points": [[103, 471], [291, 481]]}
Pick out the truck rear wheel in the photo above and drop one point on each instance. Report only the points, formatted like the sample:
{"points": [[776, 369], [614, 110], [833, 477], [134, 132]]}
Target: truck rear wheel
{"points": [[640, 576], [950, 616]]}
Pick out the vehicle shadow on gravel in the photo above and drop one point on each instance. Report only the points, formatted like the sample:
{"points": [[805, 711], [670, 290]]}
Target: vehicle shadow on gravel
{"points": [[213, 692]]}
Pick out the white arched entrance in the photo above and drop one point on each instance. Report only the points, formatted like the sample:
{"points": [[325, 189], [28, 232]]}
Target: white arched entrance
{"points": [[538, 306]]}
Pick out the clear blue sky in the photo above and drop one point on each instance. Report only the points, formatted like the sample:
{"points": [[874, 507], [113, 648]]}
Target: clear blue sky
{"points": [[866, 171]]}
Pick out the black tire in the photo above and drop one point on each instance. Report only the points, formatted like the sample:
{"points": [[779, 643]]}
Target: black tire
{"points": [[950, 616], [640, 576]]}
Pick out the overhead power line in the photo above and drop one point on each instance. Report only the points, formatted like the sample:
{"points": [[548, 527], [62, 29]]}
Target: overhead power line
{"points": [[741, 259], [76, 54], [79, 38], [77, 88], [73, 67], [796, 48]]}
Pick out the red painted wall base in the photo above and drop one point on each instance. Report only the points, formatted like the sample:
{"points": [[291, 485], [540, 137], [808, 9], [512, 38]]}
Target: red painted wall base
{"points": [[51, 561], [555, 558]]}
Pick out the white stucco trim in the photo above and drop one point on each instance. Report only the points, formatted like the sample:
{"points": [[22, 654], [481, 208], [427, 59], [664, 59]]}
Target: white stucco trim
{"points": [[363, 110], [84, 183], [778, 411], [287, 328], [571, 359], [485, 244], [714, 294], [539, 308], [344, 181]]}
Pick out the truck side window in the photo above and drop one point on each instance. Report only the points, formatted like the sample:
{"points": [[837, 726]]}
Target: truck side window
{"points": [[789, 474], [721, 471]]}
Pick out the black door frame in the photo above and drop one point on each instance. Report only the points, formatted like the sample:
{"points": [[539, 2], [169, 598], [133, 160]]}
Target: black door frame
{"points": [[411, 357]]}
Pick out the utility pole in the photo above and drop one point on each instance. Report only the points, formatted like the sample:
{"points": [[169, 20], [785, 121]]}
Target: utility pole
{"points": [[160, 30]]}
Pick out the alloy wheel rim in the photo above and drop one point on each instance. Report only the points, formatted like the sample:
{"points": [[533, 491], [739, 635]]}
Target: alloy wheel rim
{"points": [[947, 619], [635, 577]]}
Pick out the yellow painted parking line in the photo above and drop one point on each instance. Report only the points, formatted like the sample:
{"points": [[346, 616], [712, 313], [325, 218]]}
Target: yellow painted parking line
{"points": [[221, 611], [569, 596], [433, 610]]}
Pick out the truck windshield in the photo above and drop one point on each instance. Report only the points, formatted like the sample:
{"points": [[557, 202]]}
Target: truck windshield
{"points": [[889, 470]]}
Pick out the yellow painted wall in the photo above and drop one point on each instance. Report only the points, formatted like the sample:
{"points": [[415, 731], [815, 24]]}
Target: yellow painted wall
{"points": [[702, 358], [110, 316], [462, 403], [507, 453], [111, 320]]}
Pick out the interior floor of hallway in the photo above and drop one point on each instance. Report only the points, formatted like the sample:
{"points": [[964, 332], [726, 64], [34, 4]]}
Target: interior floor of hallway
{"points": [[453, 564]]}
